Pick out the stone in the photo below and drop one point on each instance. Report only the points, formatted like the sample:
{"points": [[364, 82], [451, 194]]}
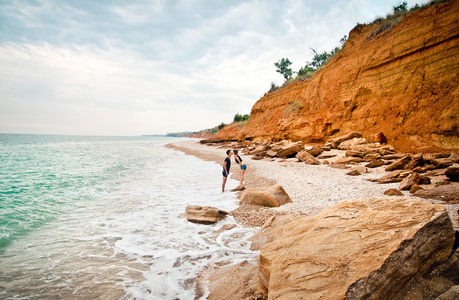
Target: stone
{"points": [[409, 181], [354, 173], [271, 153], [399, 164], [312, 161], [338, 140], [380, 138], [351, 144], [372, 156], [204, 214], [326, 156], [452, 173], [442, 162], [304, 155], [415, 162], [451, 294], [232, 282], [448, 193], [454, 157], [393, 192], [424, 179], [375, 163], [289, 150], [238, 188], [348, 160], [360, 249], [353, 153], [415, 188], [270, 196], [394, 176], [316, 150]]}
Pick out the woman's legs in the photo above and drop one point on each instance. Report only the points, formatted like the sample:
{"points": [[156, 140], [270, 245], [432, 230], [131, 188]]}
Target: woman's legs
{"points": [[242, 177]]}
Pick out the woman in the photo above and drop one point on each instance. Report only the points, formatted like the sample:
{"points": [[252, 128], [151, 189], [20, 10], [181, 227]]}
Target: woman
{"points": [[238, 159]]}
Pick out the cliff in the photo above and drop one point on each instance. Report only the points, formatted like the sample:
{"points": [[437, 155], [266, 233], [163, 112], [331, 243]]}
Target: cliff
{"points": [[400, 79]]}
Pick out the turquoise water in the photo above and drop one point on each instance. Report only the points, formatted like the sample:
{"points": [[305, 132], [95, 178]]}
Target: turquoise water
{"points": [[44, 176], [100, 217]]}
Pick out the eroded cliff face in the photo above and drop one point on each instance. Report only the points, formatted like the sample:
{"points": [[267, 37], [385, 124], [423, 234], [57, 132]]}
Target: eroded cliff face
{"points": [[402, 81]]}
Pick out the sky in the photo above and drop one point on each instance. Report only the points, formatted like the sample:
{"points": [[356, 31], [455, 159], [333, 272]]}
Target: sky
{"points": [[126, 68]]}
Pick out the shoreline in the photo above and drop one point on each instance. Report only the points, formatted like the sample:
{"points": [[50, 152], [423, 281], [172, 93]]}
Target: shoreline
{"points": [[312, 188]]}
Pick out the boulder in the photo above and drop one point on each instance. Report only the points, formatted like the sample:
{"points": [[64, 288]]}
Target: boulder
{"points": [[372, 156], [415, 188], [354, 173], [451, 294], [394, 176], [399, 164], [442, 162], [409, 181], [352, 144], [452, 173], [380, 138], [289, 150], [415, 162], [270, 196], [307, 158], [271, 153], [338, 140], [316, 150], [204, 214], [348, 160], [375, 163], [454, 157], [393, 192], [447, 193], [354, 153], [360, 249]]}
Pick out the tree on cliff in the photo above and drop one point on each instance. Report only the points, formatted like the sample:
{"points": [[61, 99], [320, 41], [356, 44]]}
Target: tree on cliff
{"points": [[283, 68]]}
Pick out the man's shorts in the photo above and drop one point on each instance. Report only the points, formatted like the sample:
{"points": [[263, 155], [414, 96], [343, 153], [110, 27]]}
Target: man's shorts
{"points": [[224, 174], [243, 167]]}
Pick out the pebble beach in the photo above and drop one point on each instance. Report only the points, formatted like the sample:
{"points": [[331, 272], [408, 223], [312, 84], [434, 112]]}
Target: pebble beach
{"points": [[312, 188]]}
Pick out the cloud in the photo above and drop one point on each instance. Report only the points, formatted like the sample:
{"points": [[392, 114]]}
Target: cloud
{"points": [[155, 66]]}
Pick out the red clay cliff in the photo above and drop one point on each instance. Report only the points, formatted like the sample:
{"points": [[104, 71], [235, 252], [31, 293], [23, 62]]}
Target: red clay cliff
{"points": [[400, 79]]}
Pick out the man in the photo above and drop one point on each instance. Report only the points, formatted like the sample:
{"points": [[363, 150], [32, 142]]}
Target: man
{"points": [[226, 168]]}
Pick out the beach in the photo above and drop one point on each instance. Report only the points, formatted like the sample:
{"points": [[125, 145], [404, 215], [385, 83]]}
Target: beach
{"points": [[312, 188]]}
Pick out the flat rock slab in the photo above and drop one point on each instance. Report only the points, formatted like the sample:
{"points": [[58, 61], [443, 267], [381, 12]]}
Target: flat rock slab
{"points": [[204, 214], [270, 196], [360, 249]]}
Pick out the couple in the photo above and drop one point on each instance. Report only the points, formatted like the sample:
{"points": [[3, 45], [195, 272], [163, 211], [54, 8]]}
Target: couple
{"points": [[227, 166]]}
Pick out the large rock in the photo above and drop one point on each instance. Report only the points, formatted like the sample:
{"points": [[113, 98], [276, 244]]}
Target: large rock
{"points": [[307, 158], [338, 140], [394, 176], [204, 214], [270, 196], [399, 164], [348, 160], [448, 193], [361, 249], [452, 173], [353, 144], [409, 181], [316, 150], [289, 150], [415, 162]]}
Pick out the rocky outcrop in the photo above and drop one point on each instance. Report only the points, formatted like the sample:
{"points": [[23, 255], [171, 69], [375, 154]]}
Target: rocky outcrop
{"points": [[204, 214], [271, 196], [361, 249], [400, 80]]}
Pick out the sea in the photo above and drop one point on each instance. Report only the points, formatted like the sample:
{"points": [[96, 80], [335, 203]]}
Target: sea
{"points": [[86, 217]]}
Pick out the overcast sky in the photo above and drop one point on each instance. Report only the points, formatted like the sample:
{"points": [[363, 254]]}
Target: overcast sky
{"points": [[156, 66]]}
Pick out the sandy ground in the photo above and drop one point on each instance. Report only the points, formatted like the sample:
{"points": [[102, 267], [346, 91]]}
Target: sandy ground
{"points": [[311, 188]]}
